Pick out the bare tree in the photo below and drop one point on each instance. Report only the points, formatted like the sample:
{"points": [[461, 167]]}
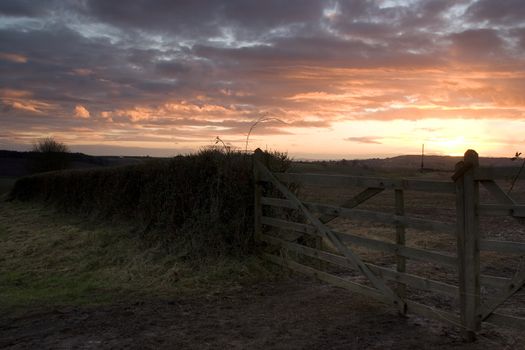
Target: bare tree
{"points": [[50, 155], [49, 145]]}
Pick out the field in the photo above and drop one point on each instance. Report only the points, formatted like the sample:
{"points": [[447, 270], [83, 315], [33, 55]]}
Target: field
{"points": [[68, 282], [5, 184], [437, 207]]}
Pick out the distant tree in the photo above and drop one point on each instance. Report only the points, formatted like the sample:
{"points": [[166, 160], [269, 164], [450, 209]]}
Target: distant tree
{"points": [[50, 145], [50, 155]]}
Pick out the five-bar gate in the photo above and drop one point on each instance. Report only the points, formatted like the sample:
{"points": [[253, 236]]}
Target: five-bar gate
{"points": [[386, 283]]}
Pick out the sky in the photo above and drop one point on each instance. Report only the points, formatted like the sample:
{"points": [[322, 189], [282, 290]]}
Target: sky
{"points": [[317, 79]]}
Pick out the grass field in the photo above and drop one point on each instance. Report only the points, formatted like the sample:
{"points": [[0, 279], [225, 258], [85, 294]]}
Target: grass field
{"points": [[65, 283], [68, 282], [5, 184], [48, 259]]}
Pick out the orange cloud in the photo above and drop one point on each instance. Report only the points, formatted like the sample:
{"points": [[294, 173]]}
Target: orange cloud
{"points": [[335, 72], [25, 106], [12, 93], [29, 106], [81, 112], [83, 72], [13, 57]]}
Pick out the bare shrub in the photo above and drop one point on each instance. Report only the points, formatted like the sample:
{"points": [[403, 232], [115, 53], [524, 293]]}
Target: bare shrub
{"points": [[49, 155]]}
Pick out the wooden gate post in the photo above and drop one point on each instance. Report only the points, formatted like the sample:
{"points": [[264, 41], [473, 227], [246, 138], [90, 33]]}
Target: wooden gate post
{"points": [[467, 200], [257, 206], [400, 240]]}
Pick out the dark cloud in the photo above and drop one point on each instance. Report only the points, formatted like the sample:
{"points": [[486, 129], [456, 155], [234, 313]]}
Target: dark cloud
{"points": [[475, 43], [519, 34], [172, 68], [208, 67], [318, 52], [194, 19], [25, 8], [509, 12], [364, 139]]}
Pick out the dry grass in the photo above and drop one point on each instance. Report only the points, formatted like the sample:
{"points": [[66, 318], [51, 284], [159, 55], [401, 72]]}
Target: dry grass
{"points": [[6, 183], [47, 259], [198, 205]]}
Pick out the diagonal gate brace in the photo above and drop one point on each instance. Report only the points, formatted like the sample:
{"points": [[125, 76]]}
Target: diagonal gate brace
{"points": [[353, 202], [514, 285], [353, 258]]}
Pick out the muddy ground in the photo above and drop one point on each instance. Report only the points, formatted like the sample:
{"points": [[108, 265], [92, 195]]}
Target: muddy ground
{"points": [[291, 314]]}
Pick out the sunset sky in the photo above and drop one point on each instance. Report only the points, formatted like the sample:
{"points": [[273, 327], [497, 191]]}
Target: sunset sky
{"points": [[335, 79]]}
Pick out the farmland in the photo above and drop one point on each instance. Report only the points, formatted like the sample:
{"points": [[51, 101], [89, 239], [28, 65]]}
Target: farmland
{"points": [[69, 280]]}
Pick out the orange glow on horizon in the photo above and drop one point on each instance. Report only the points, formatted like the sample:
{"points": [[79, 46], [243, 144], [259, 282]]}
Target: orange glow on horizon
{"points": [[370, 80]]}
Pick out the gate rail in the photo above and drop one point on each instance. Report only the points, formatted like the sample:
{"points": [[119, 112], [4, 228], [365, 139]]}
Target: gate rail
{"points": [[465, 187]]}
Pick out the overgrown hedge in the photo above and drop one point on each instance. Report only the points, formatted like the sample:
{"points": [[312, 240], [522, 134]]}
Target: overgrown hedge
{"points": [[199, 204]]}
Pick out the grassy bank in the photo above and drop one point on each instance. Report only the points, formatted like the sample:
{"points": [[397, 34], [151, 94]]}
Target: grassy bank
{"points": [[6, 183], [197, 205], [49, 259]]}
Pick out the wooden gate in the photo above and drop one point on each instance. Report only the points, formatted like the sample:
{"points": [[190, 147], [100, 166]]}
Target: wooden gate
{"points": [[328, 249]]}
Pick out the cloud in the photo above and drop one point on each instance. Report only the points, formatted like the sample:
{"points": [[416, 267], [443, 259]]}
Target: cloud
{"points": [[204, 20], [474, 44], [81, 112], [364, 139], [13, 94], [507, 12], [25, 8], [12, 57], [201, 68]]}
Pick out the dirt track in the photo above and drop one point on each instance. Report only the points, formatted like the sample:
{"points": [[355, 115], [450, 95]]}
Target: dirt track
{"points": [[292, 314]]}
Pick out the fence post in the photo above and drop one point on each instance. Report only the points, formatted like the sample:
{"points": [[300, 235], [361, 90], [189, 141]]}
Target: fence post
{"points": [[467, 219], [400, 240], [257, 207]]}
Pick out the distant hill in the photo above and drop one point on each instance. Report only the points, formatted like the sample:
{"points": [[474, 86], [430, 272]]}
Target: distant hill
{"points": [[435, 162], [402, 165], [16, 164]]}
